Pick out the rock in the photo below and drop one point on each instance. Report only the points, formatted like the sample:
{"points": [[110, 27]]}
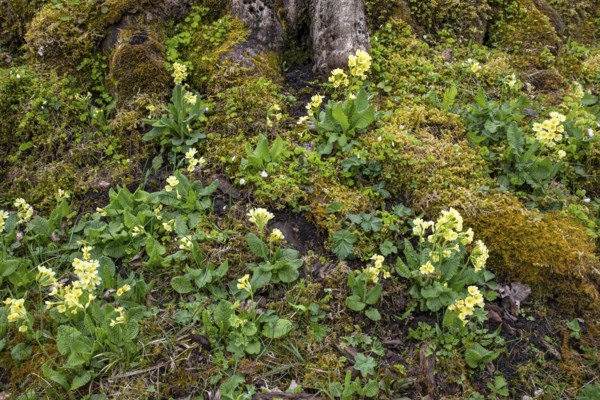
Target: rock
{"points": [[266, 32], [338, 28]]}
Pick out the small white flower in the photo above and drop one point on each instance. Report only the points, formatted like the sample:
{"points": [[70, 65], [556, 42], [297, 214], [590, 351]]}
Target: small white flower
{"points": [[402, 127], [587, 200], [590, 133], [379, 139], [264, 174], [18, 76], [242, 181]]}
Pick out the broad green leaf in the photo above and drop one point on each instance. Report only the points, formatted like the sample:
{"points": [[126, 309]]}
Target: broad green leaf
{"points": [[257, 246], [339, 115], [80, 381], [373, 314], [515, 138], [412, 258], [355, 303], [181, 284], [373, 295], [343, 243], [402, 269], [278, 329]]}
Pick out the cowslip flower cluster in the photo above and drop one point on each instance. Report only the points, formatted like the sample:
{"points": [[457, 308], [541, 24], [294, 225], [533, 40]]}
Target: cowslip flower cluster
{"points": [[3, 218], [315, 103], [17, 312], [276, 236], [45, 276], [260, 217], [120, 318], [373, 272], [190, 98], [360, 64], [179, 73], [427, 269], [185, 244], [339, 78], [62, 195], [466, 307], [137, 230], [479, 255], [473, 65], [172, 183], [244, 283], [87, 281], [194, 162], [550, 131], [275, 112], [25, 211], [123, 289], [447, 228]]}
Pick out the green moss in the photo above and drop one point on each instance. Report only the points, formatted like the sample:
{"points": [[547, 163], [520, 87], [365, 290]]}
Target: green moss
{"points": [[137, 65], [521, 28], [442, 18], [550, 252], [63, 34], [49, 139], [14, 17], [429, 155]]}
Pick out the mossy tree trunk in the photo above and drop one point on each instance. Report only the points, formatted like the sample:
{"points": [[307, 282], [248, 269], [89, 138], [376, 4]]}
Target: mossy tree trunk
{"points": [[333, 28]]}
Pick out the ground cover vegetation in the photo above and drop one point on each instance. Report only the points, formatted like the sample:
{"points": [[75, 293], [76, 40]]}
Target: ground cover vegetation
{"points": [[421, 223]]}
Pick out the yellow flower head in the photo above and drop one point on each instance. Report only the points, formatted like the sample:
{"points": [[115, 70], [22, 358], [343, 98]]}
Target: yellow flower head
{"points": [[427, 269], [260, 217], [244, 283], [179, 73], [276, 236]]}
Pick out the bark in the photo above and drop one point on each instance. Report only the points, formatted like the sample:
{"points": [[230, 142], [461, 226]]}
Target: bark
{"points": [[337, 27]]}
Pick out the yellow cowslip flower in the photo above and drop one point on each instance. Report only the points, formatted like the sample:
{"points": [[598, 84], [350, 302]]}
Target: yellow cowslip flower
{"points": [[479, 256], [244, 283], [86, 252], [3, 218], [276, 236], [168, 226], [120, 318], [420, 226], [45, 276], [470, 302], [359, 64], [302, 120], [561, 154], [473, 290], [16, 310], [447, 253], [316, 100], [450, 235], [25, 211], [467, 237], [378, 260], [137, 230], [427, 269], [479, 300], [61, 194], [123, 289], [191, 153], [185, 244], [474, 65], [339, 78], [260, 217], [23, 328], [190, 98], [172, 182], [179, 73], [102, 212]]}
